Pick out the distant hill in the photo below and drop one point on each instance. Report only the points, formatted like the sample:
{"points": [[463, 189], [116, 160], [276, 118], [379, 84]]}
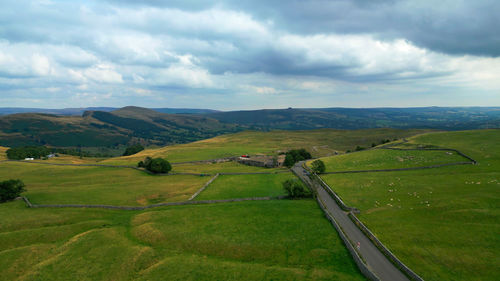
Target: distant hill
{"points": [[184, 110], [111, 127], [443, 118], [80, 111], [63, 111], [101, 128]]}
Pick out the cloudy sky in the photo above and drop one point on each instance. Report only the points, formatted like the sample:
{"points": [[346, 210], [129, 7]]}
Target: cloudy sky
{"points": [[249, 54]]}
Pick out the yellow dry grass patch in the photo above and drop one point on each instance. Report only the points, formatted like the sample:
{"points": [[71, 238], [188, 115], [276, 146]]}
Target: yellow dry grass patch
{"points": [[71, 159], [148, 233], [142, 218], [3, 155]]}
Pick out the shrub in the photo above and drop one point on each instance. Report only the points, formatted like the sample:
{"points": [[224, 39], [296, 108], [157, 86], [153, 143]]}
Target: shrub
{"points": [[295, 155], [318, 166], [296, 189], [11, 189], [156, 165], [133, 149], [159, 165]]}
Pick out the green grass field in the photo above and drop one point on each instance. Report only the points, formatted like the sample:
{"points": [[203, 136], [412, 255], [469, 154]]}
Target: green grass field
{"points": [[48, 184], [443, 223], [225, 167], [388, 159], [242, 186], [322, 142], [198, 242]]}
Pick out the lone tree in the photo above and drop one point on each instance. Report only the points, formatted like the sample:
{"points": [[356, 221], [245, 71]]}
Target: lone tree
{"points": [[318, 166], [295, 155], [295, 189], [133, 149], [155, 165], [10, 189]]}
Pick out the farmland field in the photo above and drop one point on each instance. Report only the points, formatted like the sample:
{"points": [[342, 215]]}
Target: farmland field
{"points": [[198, 242], [49, 184], [242, 186], [389, 159], [443, 222], [225, 167], [319, 142]]}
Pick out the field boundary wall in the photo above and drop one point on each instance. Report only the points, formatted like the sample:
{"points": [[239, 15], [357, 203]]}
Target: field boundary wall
{"points": [[30, 205]]}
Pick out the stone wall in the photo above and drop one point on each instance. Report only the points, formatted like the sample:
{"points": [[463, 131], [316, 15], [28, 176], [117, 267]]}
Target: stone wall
{"points": [[384, 249], [28, 203], [357, 259], [339, 201], [435, 149], [401, 169], [203, 188]]}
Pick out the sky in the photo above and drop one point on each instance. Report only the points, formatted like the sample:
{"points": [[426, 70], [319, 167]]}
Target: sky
{"points": [[230, 55]]}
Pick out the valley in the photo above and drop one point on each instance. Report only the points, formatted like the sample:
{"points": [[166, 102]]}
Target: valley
{"points": [[422, 216]]}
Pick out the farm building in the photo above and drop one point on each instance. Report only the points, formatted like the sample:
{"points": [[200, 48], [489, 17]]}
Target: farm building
{"points": [[262, 160]]}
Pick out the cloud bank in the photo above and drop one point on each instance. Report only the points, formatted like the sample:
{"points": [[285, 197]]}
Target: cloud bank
{"points": [[249, 54]]}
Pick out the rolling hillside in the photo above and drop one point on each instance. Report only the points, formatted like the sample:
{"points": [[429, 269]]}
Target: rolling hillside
{"points": [[322, 142], [100, 128], [442, 118], [108, 127]]}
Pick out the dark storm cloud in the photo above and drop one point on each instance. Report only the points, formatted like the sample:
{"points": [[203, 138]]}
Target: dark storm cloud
{"points": [[454, 27]]}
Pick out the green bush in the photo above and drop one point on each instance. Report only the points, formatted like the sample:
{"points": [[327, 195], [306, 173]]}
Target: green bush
{"points": [[155, 165], [10, 189], [295, 155], [318, 166], [296, 189], [133, 149], [359, 148]]}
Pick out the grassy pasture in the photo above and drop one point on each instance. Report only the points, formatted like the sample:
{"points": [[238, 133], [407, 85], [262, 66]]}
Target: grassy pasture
{"points": [[71, 159], [197, 242], [241, 186], [278, 240], [443, 223], [320, 143], [225, 167], [48, 184], [388, 159]]}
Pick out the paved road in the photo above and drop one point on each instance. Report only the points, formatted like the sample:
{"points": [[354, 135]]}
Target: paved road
{"points": [[375, 260]]}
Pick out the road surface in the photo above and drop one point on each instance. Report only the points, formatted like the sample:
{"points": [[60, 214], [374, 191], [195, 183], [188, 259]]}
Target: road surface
{"points": [[375, 260]]}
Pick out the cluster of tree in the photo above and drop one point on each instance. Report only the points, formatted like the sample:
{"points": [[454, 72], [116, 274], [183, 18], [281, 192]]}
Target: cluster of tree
{"points": [[79, 152], [318, 166], [18, 153], [10, 189], [155, 165], [295, 155], [37, 152], [358, 148], [133, 149], [294, 188]]}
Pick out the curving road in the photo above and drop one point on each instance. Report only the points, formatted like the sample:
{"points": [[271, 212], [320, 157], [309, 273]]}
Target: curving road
{"points": [[375, 260]]}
